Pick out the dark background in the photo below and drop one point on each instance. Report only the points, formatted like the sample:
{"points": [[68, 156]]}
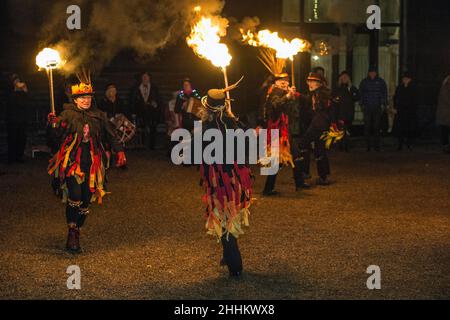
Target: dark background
{"points": [[425, 30]]}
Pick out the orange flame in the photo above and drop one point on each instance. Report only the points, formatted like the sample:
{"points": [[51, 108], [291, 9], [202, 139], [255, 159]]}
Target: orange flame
{"points": [[284, 48], [205, 41], [48, 59]]}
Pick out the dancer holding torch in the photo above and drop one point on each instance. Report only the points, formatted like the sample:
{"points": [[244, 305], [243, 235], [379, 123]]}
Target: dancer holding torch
{"points": [[227, 186], [79, 163], [280, 98]]}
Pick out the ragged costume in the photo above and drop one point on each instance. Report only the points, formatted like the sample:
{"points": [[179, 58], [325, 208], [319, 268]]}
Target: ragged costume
{"points": [[80, 162], [228, 186], [280, 100]]}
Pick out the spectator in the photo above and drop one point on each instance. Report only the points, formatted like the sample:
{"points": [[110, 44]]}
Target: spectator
{"points": [[147, 105], [405, 104], [320, 70], [173, 119], [185, 104], [345, 96], [111, 103], [443, 114], [374, 99], [17, 117]]}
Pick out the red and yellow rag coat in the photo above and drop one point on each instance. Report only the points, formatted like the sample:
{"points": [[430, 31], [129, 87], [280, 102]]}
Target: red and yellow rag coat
{"points": [[277, 118], [82, 134]]}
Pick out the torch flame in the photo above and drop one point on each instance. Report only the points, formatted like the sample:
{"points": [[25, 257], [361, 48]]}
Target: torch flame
{"points": [[205, 41], [48, 59], [284, 48]]}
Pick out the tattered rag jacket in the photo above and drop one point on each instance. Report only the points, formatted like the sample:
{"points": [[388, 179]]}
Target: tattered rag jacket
{"points": [[82, 134]]}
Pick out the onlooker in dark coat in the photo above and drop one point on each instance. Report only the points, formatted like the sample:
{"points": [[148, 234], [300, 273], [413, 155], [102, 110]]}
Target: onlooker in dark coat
{"points": [[374, 99], [405, 103], [111, 104], [344, 97], [443, 114], [17, 118], [147, 105], [184, 107]]}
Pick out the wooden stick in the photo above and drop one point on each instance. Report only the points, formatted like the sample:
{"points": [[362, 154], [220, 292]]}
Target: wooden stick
{"points": [[293, 73]]}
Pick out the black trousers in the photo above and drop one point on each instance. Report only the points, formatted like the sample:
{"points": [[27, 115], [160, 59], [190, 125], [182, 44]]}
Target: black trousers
{"points": [[297, 171], [231, 253], [344, 144], [372, 121], [151, 124], [17, 140], [445, 132], [77, 206], [313, 136]]}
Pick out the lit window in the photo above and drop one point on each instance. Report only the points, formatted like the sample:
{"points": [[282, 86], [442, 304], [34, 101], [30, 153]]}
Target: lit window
{"points": [[291, 11], [349, 11]]}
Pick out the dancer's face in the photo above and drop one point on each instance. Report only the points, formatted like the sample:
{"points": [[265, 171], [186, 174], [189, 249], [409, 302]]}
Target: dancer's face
{"points": [[313, 85], [282, 84], [83, 102]]}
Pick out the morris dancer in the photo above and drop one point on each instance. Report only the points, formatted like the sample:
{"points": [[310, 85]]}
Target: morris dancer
{"points": [[227, 186], [79, 163]]}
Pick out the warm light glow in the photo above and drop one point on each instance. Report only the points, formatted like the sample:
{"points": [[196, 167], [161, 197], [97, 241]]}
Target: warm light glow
{"points": [[48, 59], [316, 58], [198, 9], [205, 41], [284, 48]]}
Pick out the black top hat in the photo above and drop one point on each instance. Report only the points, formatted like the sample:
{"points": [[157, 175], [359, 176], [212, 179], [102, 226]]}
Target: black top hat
{"points": [[214, 100], [315, 77]]}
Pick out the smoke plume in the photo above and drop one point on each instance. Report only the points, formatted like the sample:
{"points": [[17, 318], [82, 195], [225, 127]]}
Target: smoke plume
{"points": [[110, 26]]}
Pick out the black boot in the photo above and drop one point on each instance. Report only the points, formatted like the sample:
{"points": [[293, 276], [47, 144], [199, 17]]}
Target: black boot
{"points": [[270, 186], [73, 240], [323, 181], [232, 255]]}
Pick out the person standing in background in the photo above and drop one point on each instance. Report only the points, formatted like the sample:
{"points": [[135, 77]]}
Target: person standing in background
{"points": [[147, 105], [184, 105], [344, 97], [17, 119], [173, 120], [374, 97], [321, 70], [443, 114], [405, 103], [111, 104]]}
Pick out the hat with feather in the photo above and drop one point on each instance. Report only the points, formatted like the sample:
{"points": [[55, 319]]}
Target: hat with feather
{"points": [[84, 88], [215, 100], [275, 65]]}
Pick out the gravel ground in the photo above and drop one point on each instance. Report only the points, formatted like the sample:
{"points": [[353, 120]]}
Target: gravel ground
{"points": [[147, 240]]}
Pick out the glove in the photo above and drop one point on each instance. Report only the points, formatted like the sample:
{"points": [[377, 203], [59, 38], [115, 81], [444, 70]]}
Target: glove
{"points": [[52, 118], [121, 159]]}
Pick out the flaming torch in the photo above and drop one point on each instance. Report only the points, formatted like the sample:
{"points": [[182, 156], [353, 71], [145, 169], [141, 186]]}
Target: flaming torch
{"points": [[205, 41], [284, 48], [49, 60]]}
